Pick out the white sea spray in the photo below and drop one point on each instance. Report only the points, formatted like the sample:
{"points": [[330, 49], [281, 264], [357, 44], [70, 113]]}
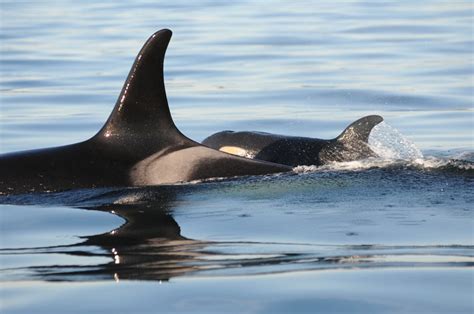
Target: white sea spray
{"points": [[388, 143]]}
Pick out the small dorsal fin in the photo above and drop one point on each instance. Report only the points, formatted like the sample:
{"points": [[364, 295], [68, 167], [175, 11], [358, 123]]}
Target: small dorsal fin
{"points": [[360, 129], [142, 111]]}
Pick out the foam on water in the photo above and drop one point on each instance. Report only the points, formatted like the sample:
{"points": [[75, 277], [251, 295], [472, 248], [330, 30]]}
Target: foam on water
{"points": [[428, 163], [395, 150]]}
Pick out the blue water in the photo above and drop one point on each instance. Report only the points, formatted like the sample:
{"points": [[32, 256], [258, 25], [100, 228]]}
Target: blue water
{"points": [[378, 236]]}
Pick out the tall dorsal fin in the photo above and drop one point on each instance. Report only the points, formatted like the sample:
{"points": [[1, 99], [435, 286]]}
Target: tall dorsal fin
{"points": [[360, 129], [142, 112]]}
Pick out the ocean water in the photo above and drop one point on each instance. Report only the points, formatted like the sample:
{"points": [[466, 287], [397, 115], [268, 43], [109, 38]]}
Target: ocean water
{"points": [[389, 234]]}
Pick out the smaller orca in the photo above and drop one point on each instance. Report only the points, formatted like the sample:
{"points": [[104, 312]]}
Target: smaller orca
{"points": [[294, 151], [138, 145]]}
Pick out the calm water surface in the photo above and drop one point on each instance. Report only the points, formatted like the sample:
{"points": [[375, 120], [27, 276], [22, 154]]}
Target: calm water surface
{"points": [[376, 236]]}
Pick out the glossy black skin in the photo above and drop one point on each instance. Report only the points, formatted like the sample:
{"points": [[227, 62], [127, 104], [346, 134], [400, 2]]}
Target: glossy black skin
{"points": [[138, 145], [294, 150]]}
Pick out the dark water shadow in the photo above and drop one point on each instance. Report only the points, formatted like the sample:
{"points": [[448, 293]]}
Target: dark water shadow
{"points": [[148, 246], [151, 246]]}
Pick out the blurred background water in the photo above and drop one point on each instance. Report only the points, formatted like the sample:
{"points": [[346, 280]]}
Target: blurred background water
{"points": [[373, 237]]}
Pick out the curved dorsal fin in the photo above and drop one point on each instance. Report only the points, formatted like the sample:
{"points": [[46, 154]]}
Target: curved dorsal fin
{"points": [[142, 111], [360, 129]]}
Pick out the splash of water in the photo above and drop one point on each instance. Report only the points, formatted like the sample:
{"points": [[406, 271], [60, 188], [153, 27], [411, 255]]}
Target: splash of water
{"points": [[395, 150], [388, 143]]}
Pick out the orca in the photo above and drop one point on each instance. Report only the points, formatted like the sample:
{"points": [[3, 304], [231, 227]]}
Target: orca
{"points": [[294, 151], [138, 145]]}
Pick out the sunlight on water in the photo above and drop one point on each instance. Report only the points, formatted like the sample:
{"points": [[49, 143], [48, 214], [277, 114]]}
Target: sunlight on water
{"points": [[389, 143]]}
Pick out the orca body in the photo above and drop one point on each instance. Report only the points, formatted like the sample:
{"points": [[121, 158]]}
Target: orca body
{"points": [[294, 151], [138, 145]]}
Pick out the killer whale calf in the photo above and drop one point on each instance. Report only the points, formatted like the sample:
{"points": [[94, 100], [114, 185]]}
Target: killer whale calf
{"points": [[294, 151], [138, 145]]}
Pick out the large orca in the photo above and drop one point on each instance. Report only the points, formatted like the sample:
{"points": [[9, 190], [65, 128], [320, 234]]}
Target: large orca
{"points": [[138, 145], [294, 151]]}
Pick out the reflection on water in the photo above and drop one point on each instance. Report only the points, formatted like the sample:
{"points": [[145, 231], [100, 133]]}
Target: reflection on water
{"points": [[151, 244], [329, 239]]}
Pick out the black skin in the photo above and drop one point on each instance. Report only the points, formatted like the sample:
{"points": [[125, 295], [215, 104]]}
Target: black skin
{"points": [[294, 150], [138, 145]]}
